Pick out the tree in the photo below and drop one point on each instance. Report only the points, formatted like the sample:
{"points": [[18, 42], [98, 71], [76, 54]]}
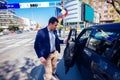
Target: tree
{"points": [[117, 20], [13, 27], [115, 4], [37, 26], [1, 29]]}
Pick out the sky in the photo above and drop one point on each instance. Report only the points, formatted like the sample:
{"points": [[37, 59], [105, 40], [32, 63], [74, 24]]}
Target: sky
{"points": [[40, 15]]}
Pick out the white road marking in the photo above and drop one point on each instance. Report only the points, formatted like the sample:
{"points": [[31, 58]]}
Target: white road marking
{"points": [[20, 43]]}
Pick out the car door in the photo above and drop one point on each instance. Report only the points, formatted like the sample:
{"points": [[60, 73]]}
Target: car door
{"points": [[82, 60], [100, 47], [69, 51]]}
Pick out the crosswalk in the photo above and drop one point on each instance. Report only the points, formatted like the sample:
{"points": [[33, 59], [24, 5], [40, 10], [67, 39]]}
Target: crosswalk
{"points": [[16, 40], [15, 43]]}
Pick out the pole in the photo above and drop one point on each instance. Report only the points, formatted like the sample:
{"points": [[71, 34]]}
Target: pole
{"points": [[63, 19]]}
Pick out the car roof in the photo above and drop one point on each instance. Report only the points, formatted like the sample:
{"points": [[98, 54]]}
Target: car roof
{"points": [[112, 27]]}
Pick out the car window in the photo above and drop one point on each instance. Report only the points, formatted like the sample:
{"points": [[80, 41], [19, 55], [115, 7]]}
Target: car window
{"points": [[105, 44], [85, 35], [100, 40], [74, 33]]}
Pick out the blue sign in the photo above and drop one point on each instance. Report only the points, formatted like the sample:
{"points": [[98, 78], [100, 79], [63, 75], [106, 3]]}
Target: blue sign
{"points": [[17, 5], [89, 13], [3, 5]]}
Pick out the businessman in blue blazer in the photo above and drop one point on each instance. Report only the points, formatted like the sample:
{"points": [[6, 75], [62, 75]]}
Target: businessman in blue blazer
{"points": [[47, 46]]}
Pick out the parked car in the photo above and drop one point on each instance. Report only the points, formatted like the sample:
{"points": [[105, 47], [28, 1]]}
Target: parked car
{"points": [[5, 32], [96, 51], [18, 31]]}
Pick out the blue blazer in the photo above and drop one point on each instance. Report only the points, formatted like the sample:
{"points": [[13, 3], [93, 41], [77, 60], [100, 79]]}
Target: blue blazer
{"points": [[42, 43]]}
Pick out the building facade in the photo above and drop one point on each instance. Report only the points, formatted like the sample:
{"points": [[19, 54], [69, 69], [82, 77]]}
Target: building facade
{"points": [[7, 18], [106, 11], [25, 23], [74, 12]]}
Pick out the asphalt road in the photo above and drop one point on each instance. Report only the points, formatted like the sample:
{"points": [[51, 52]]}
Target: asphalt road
{"points": [[18, 60]]}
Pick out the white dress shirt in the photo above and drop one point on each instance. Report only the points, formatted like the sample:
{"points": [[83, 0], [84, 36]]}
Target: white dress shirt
{"points": [[52, 41]]}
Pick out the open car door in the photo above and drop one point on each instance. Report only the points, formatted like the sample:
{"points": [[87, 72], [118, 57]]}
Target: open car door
{"points": [[69, 51]]}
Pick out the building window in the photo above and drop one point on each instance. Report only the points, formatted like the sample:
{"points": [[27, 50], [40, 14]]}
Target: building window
{"points": [[106, 3], [105, 16], [112, 11], [105, 11], [100, 7], [111, 16], [100, 3], [94, 4], [105, 8]]}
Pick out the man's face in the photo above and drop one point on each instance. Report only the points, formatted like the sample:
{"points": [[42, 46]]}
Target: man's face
{"points": [[54, 25]]}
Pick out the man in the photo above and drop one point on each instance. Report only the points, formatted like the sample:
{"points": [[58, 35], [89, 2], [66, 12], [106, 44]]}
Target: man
{"points": [[47, 45]]}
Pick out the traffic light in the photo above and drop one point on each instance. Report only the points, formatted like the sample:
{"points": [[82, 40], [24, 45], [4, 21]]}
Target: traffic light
{"points": [[33, 5]]}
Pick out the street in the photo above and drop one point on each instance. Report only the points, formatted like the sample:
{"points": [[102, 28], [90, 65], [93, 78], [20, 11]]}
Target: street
{"points": [[17, 56], [18, 60], [90, 30]]}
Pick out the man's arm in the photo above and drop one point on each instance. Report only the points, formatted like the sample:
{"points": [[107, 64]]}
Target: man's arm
{"points": [[38, 45], [60, 41]]}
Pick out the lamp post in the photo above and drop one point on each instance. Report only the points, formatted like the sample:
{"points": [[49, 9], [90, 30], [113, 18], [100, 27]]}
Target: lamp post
{"points": [[62, 4]]}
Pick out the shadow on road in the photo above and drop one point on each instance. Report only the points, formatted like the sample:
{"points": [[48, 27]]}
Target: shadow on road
{"points": [[73, 73], [37, 72], [29, 71], [13, 71], [7, 68]]}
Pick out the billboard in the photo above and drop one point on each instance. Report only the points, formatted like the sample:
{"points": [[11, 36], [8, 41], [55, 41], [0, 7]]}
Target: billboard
{"points": [[13, 5], [87, 13], [3, 5]]}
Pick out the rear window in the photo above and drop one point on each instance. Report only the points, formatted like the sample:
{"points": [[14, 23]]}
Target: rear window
{"points": [[106, 44]]}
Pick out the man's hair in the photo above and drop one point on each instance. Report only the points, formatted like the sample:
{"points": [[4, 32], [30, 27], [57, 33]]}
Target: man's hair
{"points": [[53, 20]]}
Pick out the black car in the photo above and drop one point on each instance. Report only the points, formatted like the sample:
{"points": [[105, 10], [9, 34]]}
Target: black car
{"points": [[96, 51]]}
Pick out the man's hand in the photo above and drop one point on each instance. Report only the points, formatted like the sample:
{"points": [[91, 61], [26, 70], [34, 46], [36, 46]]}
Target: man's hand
{"points": [[42, 60], [67, 41]]}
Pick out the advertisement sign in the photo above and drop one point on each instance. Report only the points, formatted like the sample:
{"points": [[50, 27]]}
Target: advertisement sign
{"points": [[89, 13], [28, 5], [3, 5], [24, 5], [15, 5], [34, 4]]}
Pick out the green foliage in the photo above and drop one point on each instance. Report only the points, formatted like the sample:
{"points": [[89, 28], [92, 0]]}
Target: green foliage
{"points": [[13, 28], [1, 29], [117, 20], [115, 4]]}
